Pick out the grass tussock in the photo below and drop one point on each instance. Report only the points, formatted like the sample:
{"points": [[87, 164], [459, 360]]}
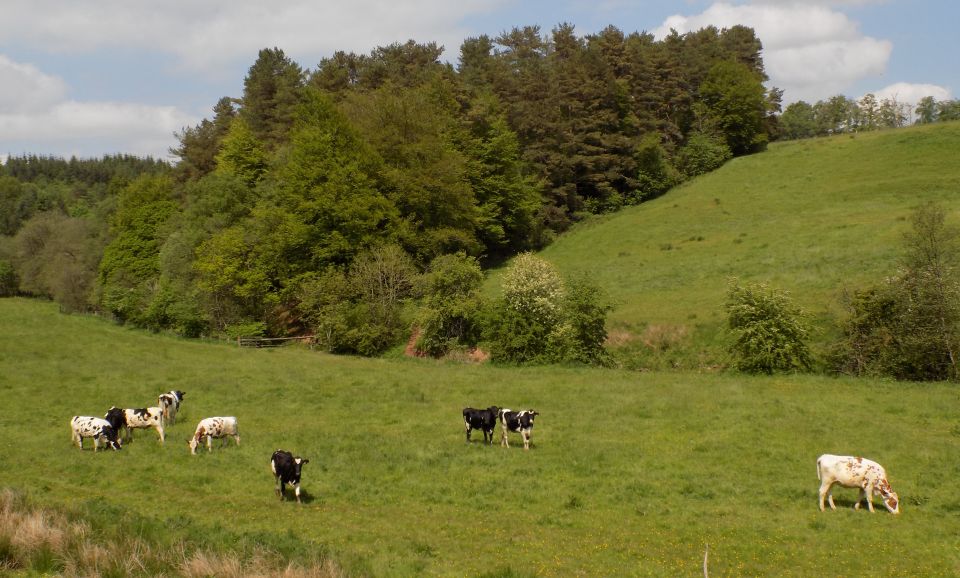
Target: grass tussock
{"points": [[41, 540]]}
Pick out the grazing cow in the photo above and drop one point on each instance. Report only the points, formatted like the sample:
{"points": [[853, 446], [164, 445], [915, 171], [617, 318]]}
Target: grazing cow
{"points": [[517, 421], [855, 472], [94, 427], [214, 427], [482, 419], [170, 404], [286, 469], [131, 419]]}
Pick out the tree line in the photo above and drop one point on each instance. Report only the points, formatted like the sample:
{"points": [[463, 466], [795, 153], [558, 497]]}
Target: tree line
{"points": [[329, 200], [839, 114]]}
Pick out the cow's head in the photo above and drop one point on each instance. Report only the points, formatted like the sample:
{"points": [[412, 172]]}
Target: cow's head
{"points": [[113, 441], [890, 498], [193, 443], [297, 465], [495, 410]]}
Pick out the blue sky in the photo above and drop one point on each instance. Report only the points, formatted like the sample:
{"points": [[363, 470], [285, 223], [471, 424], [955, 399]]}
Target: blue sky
{"points": [[97, 77]]}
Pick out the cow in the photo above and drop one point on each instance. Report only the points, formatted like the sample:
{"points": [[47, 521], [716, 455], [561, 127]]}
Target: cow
{"points": [[855, 472], [482, 419], [517, 421], [97, 428], [170, 404], [286, 469], [214, 427], [131, 419]]}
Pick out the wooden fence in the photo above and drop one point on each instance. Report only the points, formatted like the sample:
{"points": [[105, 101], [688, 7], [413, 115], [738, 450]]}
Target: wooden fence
{"points": [[272, 341]]}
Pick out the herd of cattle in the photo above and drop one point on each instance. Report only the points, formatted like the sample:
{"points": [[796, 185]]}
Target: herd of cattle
{"points": [[106, 430], [846, 471]]}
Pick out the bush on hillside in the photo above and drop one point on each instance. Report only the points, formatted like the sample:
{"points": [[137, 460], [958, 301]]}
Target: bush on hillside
{"points": [[542, 319], [451, 304], [770, 331], [908, 327]]}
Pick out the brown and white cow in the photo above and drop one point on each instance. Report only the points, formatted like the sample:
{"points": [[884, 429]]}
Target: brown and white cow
{"points": [[855, 472], [99, 429], [131, 419], [214, 427]]}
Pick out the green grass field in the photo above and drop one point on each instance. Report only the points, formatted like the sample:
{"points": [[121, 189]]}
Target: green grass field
{"points": [[813, 217], [631, 474]]}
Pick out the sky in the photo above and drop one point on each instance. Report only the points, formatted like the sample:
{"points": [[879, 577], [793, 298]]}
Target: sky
{"points": [[92, 77]]}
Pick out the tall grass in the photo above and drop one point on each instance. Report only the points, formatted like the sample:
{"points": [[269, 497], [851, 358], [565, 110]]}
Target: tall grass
{"points": [[47, 541]]}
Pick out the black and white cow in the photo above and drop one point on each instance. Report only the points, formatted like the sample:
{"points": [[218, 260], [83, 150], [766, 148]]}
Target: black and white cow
{"points": [[482, 419], [519, 422], [131, 419], [286, 469], [170, 404], [97, 428], [214, 427]]}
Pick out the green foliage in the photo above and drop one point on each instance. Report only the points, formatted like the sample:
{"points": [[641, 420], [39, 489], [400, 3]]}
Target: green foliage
{"points": [[736, 101], [798, 121], [656, 174], [9, 284], [450, 304], [358, 310], [909, 326], [770, 331], [701, 154], [541, 319], [271, 94], [242, 154], [130, 266]]}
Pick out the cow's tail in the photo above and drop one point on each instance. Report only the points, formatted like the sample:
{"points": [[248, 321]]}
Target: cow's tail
{"points": [[818, 469]]}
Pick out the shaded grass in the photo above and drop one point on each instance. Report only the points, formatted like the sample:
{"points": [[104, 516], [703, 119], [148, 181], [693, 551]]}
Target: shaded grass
{"points": [[630, 473]]}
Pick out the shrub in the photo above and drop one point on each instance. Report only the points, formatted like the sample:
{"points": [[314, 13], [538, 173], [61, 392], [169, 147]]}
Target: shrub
{"points": [[8, 279], [770, 330], [702, 154], [909, 326], [451, 304], [542, 319]]}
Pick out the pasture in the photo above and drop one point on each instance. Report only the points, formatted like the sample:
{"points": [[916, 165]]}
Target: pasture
{"points": [[630, 473], [815, 217]]}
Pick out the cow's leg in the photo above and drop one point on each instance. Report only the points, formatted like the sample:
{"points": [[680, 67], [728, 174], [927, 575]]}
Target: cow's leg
{"points": [[526, 439], [209, 443], [76, 440], [236, 438], [868, 492], [160, 431], [296, 490], [859, 499], [279, 488], [466, 426], [824, 488]]}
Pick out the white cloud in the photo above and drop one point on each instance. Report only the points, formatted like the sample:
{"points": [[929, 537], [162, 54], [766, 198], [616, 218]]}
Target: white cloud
{"points": [[809, 50], [26, 89], [34, 109], [204, 36], [911, 94]]}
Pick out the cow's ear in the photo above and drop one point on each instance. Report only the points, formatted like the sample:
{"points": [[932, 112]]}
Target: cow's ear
{"points": [[304, 461]]}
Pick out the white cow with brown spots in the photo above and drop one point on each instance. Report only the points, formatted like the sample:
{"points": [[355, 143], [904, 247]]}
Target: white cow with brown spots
{"points": [[855, 472], [214, 427]]}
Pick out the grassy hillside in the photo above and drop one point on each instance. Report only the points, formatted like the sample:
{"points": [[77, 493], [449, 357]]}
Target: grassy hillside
{"points": [[631, 474], [812, 217]]}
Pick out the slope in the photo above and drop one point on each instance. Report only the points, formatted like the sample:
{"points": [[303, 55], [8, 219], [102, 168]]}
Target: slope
{"points": [[812, 217]]}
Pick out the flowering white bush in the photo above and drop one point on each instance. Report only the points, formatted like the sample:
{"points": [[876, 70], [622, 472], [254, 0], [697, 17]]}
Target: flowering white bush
{"points": [[533, 286]]}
